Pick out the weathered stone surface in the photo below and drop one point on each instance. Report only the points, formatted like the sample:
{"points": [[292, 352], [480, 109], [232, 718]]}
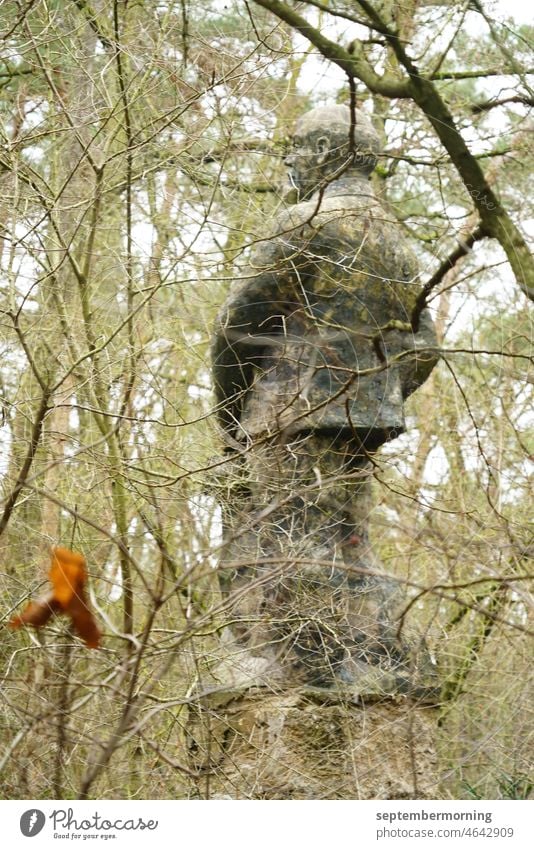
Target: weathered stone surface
{"points": [[297, 746], [313, 357], [307, 593], [317, 335]]}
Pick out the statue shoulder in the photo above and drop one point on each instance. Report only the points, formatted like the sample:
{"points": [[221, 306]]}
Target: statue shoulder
{"points": [[291, 218], [283, 235]]}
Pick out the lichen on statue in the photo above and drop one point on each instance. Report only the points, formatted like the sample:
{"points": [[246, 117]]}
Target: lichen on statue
{"points": [[313, 357], [314, 325]]}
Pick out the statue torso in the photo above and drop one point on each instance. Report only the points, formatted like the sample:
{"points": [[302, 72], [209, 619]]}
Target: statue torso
{"points": [[347, 272]]}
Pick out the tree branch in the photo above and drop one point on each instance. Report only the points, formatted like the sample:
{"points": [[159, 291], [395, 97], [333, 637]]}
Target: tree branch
{"points": [[354, 64], [462, 249], [472, 75], [90, 16], [495, 219], [485, 105], [28, 460]]}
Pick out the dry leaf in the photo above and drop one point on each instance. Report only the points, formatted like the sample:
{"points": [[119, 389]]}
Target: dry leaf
{"points": [[68, 576]]}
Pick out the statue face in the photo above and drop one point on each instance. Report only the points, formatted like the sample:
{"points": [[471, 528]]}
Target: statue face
{"points": [[321, 147], [313, 159]]}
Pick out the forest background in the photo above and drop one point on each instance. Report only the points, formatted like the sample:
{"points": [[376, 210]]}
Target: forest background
{"points": [[142, 150]]}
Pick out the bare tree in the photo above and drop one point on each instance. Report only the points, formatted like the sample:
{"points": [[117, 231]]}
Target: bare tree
{"points": [[141, 153]]}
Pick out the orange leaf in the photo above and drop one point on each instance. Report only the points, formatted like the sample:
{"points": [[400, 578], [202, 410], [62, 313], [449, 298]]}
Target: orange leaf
{"points": [[83, 621], [68, 576], [37, 613]]}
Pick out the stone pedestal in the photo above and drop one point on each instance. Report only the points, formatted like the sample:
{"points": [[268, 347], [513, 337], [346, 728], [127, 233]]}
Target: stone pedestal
{"points": [[313, 695], [306, 744]]}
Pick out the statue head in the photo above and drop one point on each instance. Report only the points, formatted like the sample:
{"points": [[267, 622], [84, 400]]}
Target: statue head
{"points": [[322, 147]]}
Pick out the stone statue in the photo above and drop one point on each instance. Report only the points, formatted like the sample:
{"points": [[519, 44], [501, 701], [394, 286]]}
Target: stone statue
{"points": [[313, 357]]}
